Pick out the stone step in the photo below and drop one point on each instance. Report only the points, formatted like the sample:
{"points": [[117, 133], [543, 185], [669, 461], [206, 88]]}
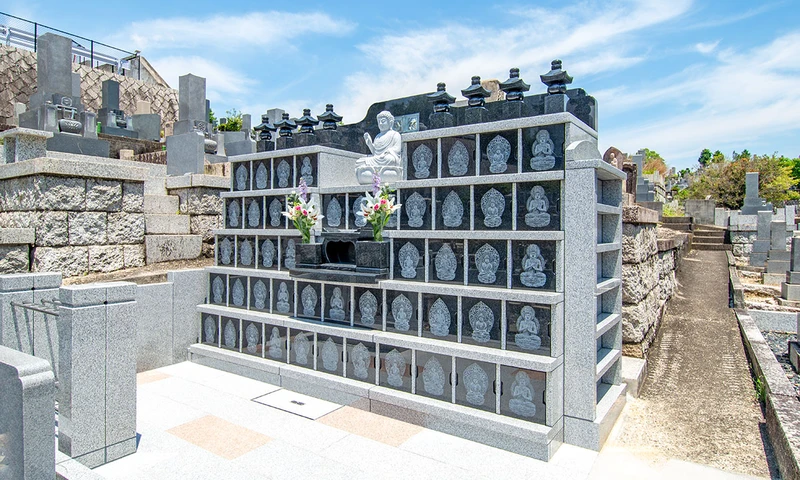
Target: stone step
{"points": [[165, 248], [677, 219], [711, 246], [709, 235], [161, 204], [159, 224], [682, 227]]}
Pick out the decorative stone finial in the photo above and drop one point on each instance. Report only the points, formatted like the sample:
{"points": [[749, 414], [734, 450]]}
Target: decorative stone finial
{"points": [[556, 79], [514, 87], [307, 122], [476, 93], [329, 119], [265, 128], [285, 126], [441, 99]]}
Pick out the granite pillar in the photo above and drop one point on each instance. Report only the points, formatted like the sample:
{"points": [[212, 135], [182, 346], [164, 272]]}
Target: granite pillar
{"points": [[758, 257], [790, 289]]}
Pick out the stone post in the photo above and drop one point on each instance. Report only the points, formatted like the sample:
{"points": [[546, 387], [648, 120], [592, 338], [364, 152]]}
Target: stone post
{"points": [[27, 417], [97, 356], [790, 289]]}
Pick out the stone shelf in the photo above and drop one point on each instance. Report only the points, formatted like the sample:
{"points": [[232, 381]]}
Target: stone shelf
{"points": [[606, 357], [607, 284], [603, 209], [608, 247], [605, 321]]}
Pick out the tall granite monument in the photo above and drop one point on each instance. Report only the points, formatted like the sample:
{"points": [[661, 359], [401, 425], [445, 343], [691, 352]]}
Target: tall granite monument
{"points": [[190, 143]]}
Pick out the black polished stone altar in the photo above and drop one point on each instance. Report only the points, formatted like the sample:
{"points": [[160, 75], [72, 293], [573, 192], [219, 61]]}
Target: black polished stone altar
{"points": [[343, 256]]}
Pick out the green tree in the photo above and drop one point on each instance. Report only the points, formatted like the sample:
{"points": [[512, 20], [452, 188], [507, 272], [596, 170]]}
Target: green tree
{"points": [[705, 157], [653, 162], [718, 157], [234, 123]]}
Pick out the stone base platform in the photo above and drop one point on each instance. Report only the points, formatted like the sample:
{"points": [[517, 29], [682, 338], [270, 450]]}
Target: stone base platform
{"points": [[525, 438]]}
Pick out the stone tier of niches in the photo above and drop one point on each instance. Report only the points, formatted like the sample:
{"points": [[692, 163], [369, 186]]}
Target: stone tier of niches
{"points": [[516, 320], [442, 258], [511, 384]]}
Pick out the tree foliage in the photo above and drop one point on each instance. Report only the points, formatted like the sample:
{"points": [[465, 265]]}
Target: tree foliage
{"points": [[705, 157], [724, 181], [234, 123], [653, 162]]}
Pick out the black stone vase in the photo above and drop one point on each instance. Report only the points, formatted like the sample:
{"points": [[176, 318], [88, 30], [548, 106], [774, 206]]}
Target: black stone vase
{"points": [[308, 255], [372, 255]]}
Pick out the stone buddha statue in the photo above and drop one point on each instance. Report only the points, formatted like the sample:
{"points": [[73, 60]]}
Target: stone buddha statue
{"points": [[527, 335], [533, 268], [537, 206], [386, 152]]}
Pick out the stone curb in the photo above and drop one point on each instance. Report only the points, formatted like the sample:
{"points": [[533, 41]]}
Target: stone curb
{"points": [[782, 408], [735, 285]]}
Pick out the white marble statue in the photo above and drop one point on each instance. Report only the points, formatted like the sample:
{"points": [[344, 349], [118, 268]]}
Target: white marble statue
{"points": [[385, 154]]}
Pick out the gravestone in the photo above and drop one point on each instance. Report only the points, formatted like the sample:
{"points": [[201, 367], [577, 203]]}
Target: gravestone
{"points": [[790, 289], [778, 258], [188, 146], [752, 202], [761, 246], [56, 105], [112, 120], [645, 191]]}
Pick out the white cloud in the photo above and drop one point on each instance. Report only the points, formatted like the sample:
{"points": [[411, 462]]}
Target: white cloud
{"points": [[228, 32], [745, 100], [222, 83], [589, 37], [706, 48]]}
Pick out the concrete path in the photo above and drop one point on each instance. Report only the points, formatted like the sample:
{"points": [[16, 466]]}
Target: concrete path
{"points": [[698, 402]]}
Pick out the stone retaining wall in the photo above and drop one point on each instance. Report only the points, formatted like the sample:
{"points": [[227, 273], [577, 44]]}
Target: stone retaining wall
{"points": [[648, 281], [81, 225], [199, 198]]}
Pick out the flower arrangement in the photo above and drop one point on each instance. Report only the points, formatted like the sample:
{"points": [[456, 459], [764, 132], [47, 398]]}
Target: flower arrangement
{"points": [[378, 207], [302, 211]]}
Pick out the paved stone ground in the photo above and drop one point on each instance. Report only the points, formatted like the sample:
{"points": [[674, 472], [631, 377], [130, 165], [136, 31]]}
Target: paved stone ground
{"points": [[698, 402]]}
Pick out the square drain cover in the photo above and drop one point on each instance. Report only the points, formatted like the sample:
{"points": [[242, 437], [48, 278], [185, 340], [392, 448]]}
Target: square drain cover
{"points": [[297, 403]]}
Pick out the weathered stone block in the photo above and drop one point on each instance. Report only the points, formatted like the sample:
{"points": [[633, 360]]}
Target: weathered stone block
{"points": [[638, 242], [199, 200], [638, 279], [87, 228], [70, 261], [166, 224], [20, 194], [742, 249], [14, 258], [133, 255], [164, 248], [133, 197], [125, 228], [103, 195], [18, 219], [51, 229], [105, 258], [743, 237], [204, 225], [61, 193], [638, 318]]}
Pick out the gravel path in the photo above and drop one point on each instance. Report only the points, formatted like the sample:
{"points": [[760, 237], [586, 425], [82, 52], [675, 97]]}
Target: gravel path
{"points": [[779, 343], [698, 402]]}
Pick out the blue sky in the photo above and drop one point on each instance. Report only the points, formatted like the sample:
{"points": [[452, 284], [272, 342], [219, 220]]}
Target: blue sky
{"points": [[675, 76]]}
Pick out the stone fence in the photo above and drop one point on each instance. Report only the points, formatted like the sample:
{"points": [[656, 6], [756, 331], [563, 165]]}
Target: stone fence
{"points": [[18, 82], [650, 257]]}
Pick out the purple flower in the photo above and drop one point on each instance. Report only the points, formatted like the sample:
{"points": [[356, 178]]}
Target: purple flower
{"points": [[303, 189], [376, 184]]}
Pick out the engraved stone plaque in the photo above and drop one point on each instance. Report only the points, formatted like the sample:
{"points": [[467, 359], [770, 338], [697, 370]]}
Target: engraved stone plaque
{"points": [[499, 151], [487, 261], [307, 171], [267, 253], [251, 337], [261, 176], [537, 206], [452, 210], [275, 344], [402, 310], [330, 355], [229, 335], [421, 159], [241, 177], [481, 319], [284, 170], [521, 401], [334, 213], [309, 299], [446, 263], [210, 328], [234, 213], [433, 377], [409, 260], [289, 258], [458, 159], [275, 212], [237, 293], [368, 307], [283, 298], [395, 368], [533, 267], [527, 336], [493, 204], [225, 251], [360, 358], [415, 210], [477, 383], [260, 295], [439, 318], [360, 221], [337, 305], [218, 289], [543, 151], [246, 253], [254, 214], [301, 349]]}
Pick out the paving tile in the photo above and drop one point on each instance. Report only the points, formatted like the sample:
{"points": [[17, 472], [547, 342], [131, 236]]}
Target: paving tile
{"points": [[150, 376], [297, 403], [370, 425], [219, 436]]}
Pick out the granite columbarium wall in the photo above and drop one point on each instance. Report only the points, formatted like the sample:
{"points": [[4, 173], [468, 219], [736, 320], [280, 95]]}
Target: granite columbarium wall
{"points": [[497, 313]]}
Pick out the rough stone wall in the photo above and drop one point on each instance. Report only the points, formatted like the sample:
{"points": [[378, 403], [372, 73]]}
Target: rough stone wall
{"points": [[204, 207], [648, 282], [742, 243], [14, 259], [81, 225], [18, 82]]}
